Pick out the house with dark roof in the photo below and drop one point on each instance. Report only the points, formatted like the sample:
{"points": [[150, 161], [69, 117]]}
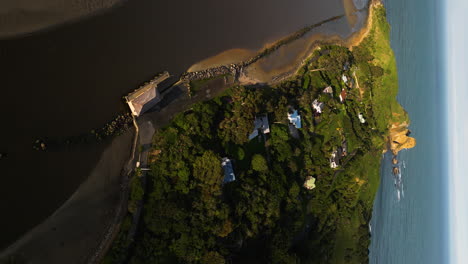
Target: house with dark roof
{"points": [[261, 124], [229, 175], [335, 159], [344, 148]]}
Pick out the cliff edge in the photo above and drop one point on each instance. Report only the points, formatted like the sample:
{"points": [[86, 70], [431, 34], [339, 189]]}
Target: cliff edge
{"points": [[399, 137]]}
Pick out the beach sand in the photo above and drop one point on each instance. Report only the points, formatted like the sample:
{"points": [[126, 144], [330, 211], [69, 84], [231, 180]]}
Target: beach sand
{"points": [[225, 58]]}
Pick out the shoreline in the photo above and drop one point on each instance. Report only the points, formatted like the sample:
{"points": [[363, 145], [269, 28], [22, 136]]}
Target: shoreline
{"points": [[316, 39]]}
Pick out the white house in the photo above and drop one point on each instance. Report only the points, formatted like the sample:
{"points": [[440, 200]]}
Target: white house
{"points": [[361, 118], [318, 106], [328, 90], [344, 78]]}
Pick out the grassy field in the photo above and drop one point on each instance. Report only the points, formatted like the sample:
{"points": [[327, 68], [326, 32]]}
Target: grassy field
{"points": [[383, 94]]}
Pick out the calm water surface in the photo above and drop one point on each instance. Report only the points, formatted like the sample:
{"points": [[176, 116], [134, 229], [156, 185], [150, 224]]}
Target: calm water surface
{"points": [[414, 229], [71, 79]]}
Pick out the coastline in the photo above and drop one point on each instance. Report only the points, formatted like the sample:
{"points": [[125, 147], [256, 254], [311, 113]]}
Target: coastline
{"points": [[384, 85], [252, 72], [354, 40]]}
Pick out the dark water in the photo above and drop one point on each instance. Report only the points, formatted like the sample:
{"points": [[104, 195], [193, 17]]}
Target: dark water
{"points": [[71, 79], [413, 230]]}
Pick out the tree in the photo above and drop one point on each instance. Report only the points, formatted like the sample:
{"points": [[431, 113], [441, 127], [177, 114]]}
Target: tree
{"points": [[213, 257], [259, 163]]}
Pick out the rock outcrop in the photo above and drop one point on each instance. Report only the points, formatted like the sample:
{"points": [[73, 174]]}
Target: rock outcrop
{"points": [[399, 137]]}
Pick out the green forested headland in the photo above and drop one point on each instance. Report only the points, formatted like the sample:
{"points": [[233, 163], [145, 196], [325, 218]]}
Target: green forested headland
{"points": [[267, 215]]}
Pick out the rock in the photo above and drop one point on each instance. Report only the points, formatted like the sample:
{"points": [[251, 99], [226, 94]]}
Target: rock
{"points": [[396, 170], [399, 139], [394, 161]]}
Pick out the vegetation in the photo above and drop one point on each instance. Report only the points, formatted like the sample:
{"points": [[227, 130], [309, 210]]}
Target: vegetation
{"points": [[266, 216]]}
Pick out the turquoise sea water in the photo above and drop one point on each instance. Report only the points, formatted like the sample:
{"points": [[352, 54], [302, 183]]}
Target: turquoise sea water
{"points": [[414, 228]]}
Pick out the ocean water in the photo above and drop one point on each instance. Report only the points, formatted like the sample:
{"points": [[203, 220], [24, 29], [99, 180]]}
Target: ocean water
{"points": [[413, 228]]}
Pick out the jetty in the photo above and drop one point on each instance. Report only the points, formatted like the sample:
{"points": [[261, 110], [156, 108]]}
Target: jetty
{"points": [[147, 96]]}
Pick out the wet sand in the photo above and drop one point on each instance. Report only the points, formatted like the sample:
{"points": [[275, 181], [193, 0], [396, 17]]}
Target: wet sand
{"points": [[75, 230], [224, 58]]}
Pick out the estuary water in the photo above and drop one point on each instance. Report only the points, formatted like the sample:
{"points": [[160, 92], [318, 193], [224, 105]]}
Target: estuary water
{"points": [[70, 79], [413, 229]]}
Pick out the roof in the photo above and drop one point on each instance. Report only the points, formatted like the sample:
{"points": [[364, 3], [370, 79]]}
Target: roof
{"points": [[343, 95], [328, 90], [148, 86], [261, 123], [335, 159], [229, 175], [318, 106], [145, 97], [295, 119], [344, 78], [361, 118]]}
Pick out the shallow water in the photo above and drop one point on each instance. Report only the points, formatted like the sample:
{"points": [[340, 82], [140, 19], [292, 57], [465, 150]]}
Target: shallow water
{"points": [[414, 228]]}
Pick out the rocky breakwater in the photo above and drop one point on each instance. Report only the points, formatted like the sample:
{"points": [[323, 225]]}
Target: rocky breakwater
{"points": [[232, 69], [399, 137]]}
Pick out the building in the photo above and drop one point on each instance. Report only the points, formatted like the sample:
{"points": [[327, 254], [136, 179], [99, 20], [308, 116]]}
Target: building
{"points": [[343, 95], [328, 90], [361, 118], [147, 96], [335, 159], [318, 106], [344, 148], [261, 125], [295, 119], [229, 175], [344, 78]]}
